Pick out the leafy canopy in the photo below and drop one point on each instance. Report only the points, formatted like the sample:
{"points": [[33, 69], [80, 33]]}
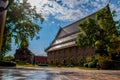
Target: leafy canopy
{"points": [[19, 25], [100, 32]]}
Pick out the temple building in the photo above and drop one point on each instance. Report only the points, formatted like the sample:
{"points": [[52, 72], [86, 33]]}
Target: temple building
{"points": [[39, 60], [63, 49], [24, 55]]}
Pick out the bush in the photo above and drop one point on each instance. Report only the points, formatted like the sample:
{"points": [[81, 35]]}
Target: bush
{"points": [[116, 64], [89, 59], [20, 62], [7, 64], [106, 63], [92, 65], [80, 62], [92, 62], [85, 64]]}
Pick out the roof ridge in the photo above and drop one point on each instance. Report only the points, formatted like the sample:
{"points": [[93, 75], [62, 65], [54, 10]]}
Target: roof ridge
{"points": [[85, 17]]}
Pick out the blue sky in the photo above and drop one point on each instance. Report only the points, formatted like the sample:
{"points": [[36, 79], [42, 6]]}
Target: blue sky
{"points": [[59, 13]]}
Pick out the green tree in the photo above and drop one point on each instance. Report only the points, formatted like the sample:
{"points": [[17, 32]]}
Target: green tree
{"points": [[88, 33], [20, 27], [100, 32]]}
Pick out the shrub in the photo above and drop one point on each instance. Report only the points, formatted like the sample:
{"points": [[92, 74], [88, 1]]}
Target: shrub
{"points": [[80, 62], [85, 64], [88, 59], [116, 64], [106, 63], [91, 59], [92, 64], [20, 62], [7, 64]]}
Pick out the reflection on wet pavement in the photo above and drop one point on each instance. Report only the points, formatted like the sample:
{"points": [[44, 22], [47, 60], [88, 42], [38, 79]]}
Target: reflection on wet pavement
{"points": [[24, 74], [49, 73]]}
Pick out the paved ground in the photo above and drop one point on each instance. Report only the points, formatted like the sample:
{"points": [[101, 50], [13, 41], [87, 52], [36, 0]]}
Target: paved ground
{"points": [[79, 74], [45, 73]]}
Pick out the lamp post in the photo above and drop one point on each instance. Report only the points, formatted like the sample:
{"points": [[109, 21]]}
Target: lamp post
{"points": [[4, 4]]}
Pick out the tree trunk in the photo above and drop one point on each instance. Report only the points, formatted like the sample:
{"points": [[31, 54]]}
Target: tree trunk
{"points": [[2, 23]]}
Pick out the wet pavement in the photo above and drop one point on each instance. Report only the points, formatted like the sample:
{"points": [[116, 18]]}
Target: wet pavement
{"points": [[23, 74], [46, 73]]}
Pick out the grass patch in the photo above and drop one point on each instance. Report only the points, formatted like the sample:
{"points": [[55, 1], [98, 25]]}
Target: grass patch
{"points": [[85, 68], [26, 65]]}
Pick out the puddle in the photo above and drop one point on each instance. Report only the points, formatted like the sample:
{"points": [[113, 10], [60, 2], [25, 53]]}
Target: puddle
{"points": [[24, 74]]}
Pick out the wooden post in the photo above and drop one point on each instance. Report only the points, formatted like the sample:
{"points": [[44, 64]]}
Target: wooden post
{"points": [[2, 22]]}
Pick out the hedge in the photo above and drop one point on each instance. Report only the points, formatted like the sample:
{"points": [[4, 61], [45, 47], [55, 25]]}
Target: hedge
{"points": [[7, 64]]}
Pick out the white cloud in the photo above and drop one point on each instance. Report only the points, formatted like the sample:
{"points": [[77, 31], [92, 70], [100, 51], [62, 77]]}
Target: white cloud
{"points": [[116, 7], [52, 22], [67, 9], [60, 12], [73, 3]]}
